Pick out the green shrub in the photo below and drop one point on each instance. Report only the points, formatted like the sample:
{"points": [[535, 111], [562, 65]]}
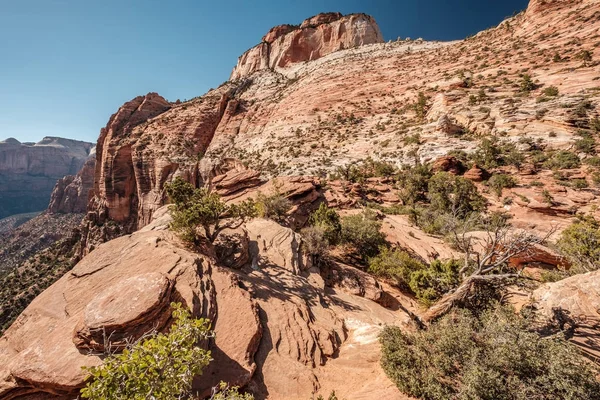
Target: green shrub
{"points": [[196, 208], [159, 367], [363, 232], [225, 392], [420, 106], [492, 153], [498, 182], [413, 183], [593, 161], [328, 220], [449, 193], [426, 282], [494, 356], [527, 84], [562, 160], [314, 242], [586, 145], [273, 206], [551, 91], [581, 243]]}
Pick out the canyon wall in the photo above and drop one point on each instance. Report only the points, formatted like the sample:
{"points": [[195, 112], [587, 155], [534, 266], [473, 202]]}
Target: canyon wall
{"points": [[28, 171]]}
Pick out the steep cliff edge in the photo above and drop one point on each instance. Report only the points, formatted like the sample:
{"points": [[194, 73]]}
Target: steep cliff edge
{"points": [[28, 172], [349, 104], [316, 37]]}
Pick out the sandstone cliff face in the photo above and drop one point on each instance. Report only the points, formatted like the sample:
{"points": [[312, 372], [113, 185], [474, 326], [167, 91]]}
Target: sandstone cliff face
{"points": [[28, 172], [347, 104], [71, 193], [316, 37]]}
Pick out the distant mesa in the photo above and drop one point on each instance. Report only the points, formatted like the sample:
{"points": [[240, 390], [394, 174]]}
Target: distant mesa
{"points": [[29, 171]]}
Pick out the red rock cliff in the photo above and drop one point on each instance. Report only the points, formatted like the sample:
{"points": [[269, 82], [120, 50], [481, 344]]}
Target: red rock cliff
{"points": [[316, 37]]}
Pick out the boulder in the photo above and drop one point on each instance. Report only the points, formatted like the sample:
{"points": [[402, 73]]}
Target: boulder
{"points": [[448, 164]]}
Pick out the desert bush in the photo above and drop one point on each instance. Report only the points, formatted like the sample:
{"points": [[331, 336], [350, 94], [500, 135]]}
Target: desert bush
{"points": [[314, 242], [195, 208], [562, 159], [161, 366], [527, 84], [363, 232], [498, 182], [586, 145], [273, 206], [426, 282], [420, 106], [492, 153], [550, 91], [328, 221], [493, 356], [413, 183], [580, 242], [454, 194], [225, 392]]}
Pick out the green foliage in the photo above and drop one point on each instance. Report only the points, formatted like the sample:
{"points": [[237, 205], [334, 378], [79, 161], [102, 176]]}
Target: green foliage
{"points": [[584, 55], [363, 232], [369, 168], [498, 182], [314, 242], [493, 356], [225, 392], [196, 208], [426, 282], [562, 159], [581, 243], [413, 183], [527, 84], [420, 106], [328, 221], [550, 91], [274, 206], [586, 145], [454, 194], [332, 396], [159, 367], [492, 153]]}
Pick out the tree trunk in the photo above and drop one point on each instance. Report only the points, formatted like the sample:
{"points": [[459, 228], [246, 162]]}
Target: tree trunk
{"points": [[448, 301]]}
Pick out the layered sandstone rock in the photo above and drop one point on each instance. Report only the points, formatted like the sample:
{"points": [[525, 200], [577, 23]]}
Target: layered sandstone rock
{"points": [[316, 37], [71, 193], [276, 330], [29, 171], [573, 304]]}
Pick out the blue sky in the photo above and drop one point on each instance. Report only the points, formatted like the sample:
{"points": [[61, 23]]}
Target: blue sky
{"points": [[67, 65]]}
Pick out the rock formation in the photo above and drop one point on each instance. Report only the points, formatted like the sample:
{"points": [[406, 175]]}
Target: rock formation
{"points": [[28, 172], [277, 331], [316, 37], [71, 193]]}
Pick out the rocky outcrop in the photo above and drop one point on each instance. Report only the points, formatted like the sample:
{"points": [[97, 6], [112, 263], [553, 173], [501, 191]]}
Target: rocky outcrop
{"points": [[71, 193], [573, 305], [316, 37], [115, 180], [448, 164], [276, 330], [476, 174], [29, 171]]}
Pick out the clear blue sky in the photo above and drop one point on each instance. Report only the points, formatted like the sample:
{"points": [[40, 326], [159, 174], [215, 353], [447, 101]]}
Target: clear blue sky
{"points": [[67, 65]]}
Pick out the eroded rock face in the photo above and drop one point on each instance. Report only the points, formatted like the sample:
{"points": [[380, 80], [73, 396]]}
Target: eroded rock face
{"points": [[276, 328], [316, 37], [573, 304], [71, 193], [29, 171]]}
